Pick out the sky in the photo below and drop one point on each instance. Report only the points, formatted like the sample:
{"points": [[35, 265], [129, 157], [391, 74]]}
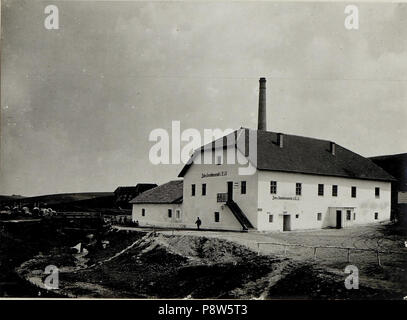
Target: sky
{"points": [[78, 103]]}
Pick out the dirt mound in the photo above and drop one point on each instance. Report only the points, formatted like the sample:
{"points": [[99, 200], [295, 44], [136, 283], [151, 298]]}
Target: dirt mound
{"points": [[208, 250], [162, 266]]}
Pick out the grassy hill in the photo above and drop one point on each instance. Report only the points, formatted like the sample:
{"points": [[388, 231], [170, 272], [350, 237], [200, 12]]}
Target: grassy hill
{"points": [[78, 201], [67, 197], [8, 198]]}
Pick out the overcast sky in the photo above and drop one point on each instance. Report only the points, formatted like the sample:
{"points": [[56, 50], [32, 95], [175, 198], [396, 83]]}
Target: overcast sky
{"points": [[78, 103]]}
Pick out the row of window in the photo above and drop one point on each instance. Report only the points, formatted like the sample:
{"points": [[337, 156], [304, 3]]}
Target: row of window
{"points": [[298, 189], [203, 188], [271, 217], [319, 216], [177, 213]]}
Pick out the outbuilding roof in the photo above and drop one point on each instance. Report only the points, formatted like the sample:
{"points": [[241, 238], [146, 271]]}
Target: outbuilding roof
{"points": [[307, 155], [170, 192], [140, 187]]}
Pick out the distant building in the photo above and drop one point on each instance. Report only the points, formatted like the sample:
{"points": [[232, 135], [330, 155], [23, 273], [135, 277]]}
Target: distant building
{"points": [[124, 194], [396, 165], [297, 183], [160, 206]]}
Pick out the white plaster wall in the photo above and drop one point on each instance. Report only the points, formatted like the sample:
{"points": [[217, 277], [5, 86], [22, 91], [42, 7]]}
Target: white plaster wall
{"points": [[157, 215], [309, 204], [204, 207]]}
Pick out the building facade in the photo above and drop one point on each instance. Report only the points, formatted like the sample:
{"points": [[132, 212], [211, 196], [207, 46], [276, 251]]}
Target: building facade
{"points": [[283, 199], [160, 206], [294, 183], [396, 165], [322, 189]]}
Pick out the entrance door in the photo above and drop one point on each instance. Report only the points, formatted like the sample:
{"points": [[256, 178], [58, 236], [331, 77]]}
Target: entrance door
{"points": [[230, 190], [338, 219], [286, 222]]}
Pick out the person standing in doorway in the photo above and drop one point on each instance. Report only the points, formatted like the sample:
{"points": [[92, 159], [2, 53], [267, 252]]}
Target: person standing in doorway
{"points": [[198, 223]]}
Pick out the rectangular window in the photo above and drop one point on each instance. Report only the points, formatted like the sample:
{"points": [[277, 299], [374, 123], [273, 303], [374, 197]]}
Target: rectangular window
{"points": [[143, 212], [204, 189], [297, 216], [243, 187], [270, 218], [169, 213], [376, 215], [334, 190], [377, 192], [354, 216], [319, 216], [298, 187], [348, 215], [193, 190], [320, 189], [178, 214], [353, 192], [273, 187], [216, 216], [218, 160]]}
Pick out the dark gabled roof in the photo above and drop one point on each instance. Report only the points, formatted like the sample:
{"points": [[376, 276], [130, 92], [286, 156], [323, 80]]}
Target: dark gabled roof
{"points": [[394, 164], [170, 192], [127, 189], [391, 157], [310, 156], [140, 187]]}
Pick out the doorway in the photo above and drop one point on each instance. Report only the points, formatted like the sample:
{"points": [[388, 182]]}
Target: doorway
{"points": [[286, 222], [230, 190], [338, 219]]}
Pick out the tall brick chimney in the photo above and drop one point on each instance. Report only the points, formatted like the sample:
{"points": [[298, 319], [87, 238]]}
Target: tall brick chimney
{"points": [[262, 122]]}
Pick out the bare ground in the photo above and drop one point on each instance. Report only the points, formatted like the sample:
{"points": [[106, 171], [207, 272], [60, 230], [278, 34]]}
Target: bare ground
{"points": [[390, 276], [192, 264]]}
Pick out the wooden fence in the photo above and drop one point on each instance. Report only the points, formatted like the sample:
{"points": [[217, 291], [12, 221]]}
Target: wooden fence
{"points": [[377, 251]]}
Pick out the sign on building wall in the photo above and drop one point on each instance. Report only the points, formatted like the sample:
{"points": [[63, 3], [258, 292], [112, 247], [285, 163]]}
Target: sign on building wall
{"points": [[402, 197], [285, 198], [216, 174]]}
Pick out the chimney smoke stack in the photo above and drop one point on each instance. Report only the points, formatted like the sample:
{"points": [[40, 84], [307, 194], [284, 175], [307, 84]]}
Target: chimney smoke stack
{"points": [[262, 121], [280, 140], [332, 148]]}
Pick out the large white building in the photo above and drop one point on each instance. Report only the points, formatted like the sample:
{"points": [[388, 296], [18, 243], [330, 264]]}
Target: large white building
{"points": [[297, 183]]}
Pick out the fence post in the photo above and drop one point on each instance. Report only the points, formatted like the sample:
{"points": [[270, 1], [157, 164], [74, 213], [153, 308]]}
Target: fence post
{"points": [[348, 255], [258, 248], [315, 252], [285, 250]]}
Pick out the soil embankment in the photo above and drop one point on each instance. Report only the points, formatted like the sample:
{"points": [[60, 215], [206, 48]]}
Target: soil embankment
{"points": [[151, 265], [135, 264], [157, 266]]}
